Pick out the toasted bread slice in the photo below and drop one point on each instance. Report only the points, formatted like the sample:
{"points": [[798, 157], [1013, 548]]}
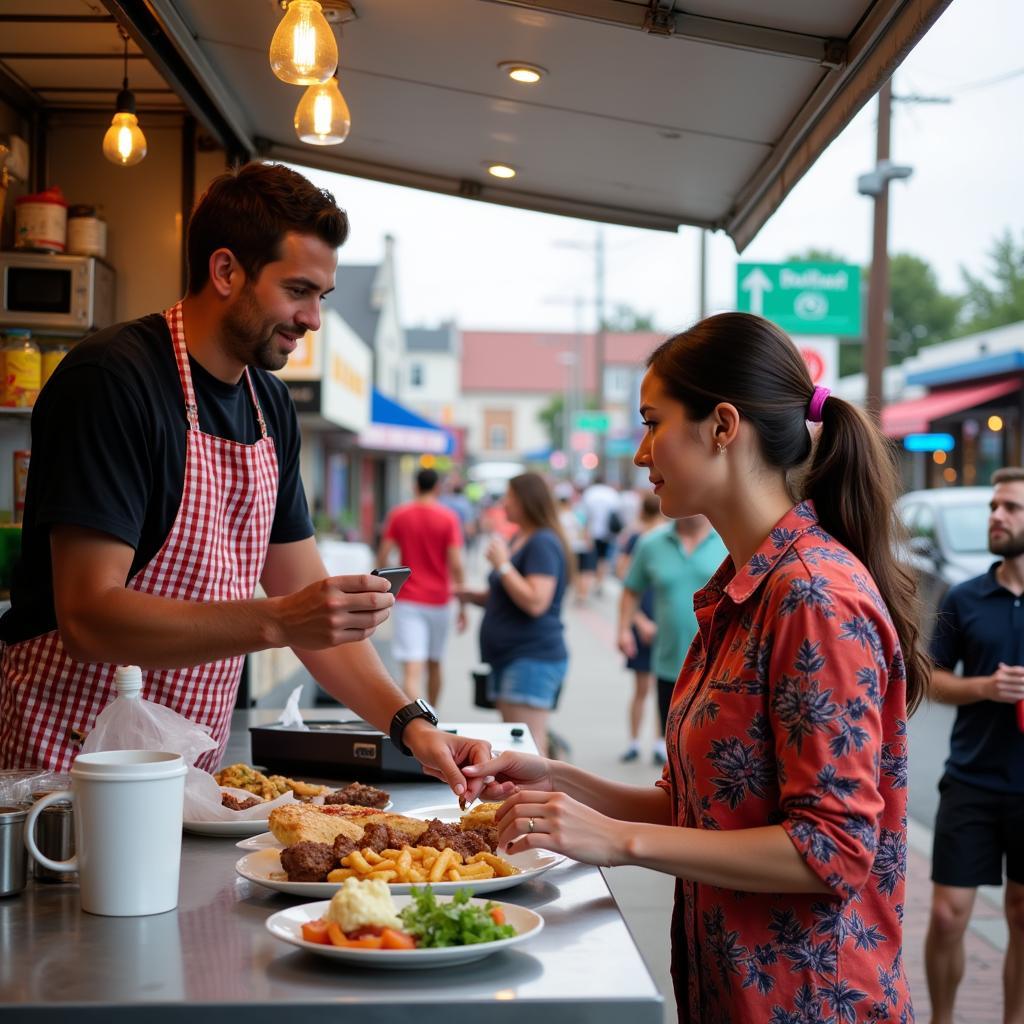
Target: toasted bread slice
{"points": [[409, 828], [293, 823], [481, 816]]}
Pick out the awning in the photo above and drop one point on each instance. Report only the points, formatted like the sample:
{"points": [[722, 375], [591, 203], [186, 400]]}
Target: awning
{"points": [[394, 428], [914, 417]]}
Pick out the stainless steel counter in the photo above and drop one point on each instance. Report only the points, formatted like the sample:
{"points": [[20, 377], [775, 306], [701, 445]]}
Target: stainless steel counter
{"points": [[212, 959]]}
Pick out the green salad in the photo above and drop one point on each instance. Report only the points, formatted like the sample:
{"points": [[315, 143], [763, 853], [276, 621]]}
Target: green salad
{"points": [[455, 923]]}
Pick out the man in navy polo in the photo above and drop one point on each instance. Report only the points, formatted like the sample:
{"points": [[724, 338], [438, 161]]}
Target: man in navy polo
{"points": [[981, 808]]}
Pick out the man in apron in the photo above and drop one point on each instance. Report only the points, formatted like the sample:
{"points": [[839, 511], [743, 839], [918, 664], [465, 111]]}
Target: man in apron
{"points": [[164, 485]]}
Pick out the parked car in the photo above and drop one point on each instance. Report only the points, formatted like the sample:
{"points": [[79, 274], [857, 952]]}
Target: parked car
{"points": [[948, 541]]}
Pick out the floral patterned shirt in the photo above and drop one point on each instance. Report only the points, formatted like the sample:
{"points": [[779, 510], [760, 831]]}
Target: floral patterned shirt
{"points": [[791, 710]]}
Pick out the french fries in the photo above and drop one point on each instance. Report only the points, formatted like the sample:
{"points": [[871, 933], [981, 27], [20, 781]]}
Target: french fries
{"points": [[421, 864]]}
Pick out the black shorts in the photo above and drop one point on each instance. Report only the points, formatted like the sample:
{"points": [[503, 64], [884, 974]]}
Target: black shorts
{"points": [[602, 549], [974, 830]]}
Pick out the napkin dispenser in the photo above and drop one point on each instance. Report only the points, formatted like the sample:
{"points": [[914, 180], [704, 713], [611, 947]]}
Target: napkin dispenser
{"points": [[332, 749]]}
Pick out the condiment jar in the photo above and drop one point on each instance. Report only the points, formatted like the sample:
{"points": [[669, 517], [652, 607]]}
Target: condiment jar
{"points": [[23, 369], [55, 837], [13, 865], [87, 231], [52, 355], [41, 221]]}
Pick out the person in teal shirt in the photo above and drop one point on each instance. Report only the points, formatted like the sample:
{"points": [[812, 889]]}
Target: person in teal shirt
{"points": [[675, 562]]}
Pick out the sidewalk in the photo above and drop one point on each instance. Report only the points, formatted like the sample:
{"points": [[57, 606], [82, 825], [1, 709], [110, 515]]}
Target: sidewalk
{"points": [[592, 717]]}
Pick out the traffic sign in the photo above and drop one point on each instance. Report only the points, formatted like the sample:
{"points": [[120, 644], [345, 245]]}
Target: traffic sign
{"points": [[802, 298], [592, 422]]}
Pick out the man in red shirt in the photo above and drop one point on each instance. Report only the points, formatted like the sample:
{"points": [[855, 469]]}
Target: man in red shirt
{"points": [[428, 537]]}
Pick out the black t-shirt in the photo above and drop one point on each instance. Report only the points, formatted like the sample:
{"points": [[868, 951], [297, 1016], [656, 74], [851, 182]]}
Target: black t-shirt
{"points": [[981, 623], [108, 453], [506, 631]]}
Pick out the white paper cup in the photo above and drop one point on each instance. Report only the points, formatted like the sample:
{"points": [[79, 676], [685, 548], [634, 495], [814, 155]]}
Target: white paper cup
{"points": [[128, 806]]}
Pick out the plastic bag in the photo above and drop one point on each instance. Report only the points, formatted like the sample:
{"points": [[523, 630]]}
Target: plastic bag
{"points": [[131, 723]]}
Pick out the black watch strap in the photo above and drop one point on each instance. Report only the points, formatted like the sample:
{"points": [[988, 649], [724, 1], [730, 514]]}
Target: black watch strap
{"points": [[403, 716]]}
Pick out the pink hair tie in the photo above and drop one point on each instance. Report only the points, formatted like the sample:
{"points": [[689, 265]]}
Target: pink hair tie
{"points": [[817, 403]]}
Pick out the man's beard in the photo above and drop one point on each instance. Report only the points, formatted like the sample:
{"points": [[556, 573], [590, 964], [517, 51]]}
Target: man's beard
{"points": [[1009, 544], [249, 337]]}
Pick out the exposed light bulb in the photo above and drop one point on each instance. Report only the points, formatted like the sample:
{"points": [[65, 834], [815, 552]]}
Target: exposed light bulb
{"points": [[124, 144], [322, 117], [304, 50]]}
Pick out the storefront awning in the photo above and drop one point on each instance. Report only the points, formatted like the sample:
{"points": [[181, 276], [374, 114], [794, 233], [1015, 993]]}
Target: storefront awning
{"points": [[394, 428], [914, 417]]}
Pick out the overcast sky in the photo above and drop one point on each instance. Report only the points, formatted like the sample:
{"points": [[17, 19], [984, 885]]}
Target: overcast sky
{"points": [[968, 160]]}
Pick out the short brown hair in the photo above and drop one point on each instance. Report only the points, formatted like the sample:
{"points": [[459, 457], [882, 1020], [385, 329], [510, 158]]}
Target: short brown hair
{"points": [[1008, 475], [249, 211]]}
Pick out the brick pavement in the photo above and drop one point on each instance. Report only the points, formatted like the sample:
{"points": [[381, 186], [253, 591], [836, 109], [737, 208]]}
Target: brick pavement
{"points": [[980, 996]]}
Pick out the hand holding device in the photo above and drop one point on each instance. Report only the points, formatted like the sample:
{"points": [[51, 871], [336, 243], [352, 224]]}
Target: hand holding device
{"points": [[396, 576]]}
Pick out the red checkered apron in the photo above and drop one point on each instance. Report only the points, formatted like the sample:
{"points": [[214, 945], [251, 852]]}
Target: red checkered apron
{"points": [[214, 552]]}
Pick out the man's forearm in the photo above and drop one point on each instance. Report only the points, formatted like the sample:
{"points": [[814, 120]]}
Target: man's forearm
{"points": [[126, 627], [948, 688], [355, 675]]}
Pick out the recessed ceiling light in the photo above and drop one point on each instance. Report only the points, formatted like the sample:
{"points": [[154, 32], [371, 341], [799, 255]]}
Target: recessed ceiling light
{"points": [[519, 71], [501, 170]]}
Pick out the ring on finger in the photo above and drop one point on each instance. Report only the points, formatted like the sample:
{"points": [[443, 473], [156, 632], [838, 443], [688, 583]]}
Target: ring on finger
{"points": [[531, 824]]}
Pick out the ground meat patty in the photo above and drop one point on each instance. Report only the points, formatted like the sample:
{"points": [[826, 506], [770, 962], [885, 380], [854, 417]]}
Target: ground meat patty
{"points": [[442, 835], [231, 801], [379, 837], [343, 846], [308, 862], [359, 795]]}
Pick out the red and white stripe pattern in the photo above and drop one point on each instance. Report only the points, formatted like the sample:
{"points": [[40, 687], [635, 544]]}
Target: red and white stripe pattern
{"points": [[214, 552]]}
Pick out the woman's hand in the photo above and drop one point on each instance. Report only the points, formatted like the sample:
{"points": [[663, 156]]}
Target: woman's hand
{"points": [[497, 552], [510, 771], [647, 628], [532, 819]]}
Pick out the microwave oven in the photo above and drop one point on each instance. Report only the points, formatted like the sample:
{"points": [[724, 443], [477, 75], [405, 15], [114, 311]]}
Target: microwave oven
{"points": [[46, 292]]}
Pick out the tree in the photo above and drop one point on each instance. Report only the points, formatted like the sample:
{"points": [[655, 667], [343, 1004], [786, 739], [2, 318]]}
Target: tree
{"points": [[813, 255], [625, 319], [993, 306], [552, 416], [921, 313]]}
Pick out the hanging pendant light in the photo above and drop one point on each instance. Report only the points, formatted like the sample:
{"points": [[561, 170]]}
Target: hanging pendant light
{"points": [[303, 50], [124, 144], [322, 117]]}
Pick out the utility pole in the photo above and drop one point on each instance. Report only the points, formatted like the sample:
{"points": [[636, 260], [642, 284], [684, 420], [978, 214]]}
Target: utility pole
{"points": [[599, 339], [702, 285], [878, 284]]}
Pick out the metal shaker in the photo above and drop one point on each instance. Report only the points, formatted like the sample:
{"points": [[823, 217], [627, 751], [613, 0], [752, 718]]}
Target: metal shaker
{"points": [[13, 862], [55, 837]]}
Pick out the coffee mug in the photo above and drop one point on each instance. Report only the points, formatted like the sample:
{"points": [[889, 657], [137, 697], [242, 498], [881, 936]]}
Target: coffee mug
{"points": [[128, 806]]}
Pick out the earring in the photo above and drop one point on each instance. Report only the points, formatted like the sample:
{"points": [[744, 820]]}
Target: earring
{"points": [[721, 449]]}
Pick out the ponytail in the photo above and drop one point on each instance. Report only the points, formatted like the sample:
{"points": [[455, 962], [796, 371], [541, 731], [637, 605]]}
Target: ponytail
{"points": [[853, 481]]}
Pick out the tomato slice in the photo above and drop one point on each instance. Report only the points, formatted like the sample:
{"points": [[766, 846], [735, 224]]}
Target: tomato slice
{"points": [[316, 931], [393, 939], [498, 915]]}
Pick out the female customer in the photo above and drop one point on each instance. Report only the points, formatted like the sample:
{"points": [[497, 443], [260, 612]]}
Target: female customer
{"points": [[521, 632], [782, 810]]}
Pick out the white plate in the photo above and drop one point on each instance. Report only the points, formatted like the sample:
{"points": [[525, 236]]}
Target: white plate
{"points": [[264, 841], [261, 865], [241, 827], [287, 926]]}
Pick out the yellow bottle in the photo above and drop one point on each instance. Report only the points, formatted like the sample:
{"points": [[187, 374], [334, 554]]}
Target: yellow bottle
{"points": [[23, 369], [52, 355]]}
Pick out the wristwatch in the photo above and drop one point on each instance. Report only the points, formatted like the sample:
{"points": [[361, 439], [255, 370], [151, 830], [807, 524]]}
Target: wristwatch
{"points": [[403, 716]]}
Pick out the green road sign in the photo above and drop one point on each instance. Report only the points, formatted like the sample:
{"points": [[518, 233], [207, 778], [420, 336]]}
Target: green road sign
{"points": [[802, 298], [592, 422]]}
